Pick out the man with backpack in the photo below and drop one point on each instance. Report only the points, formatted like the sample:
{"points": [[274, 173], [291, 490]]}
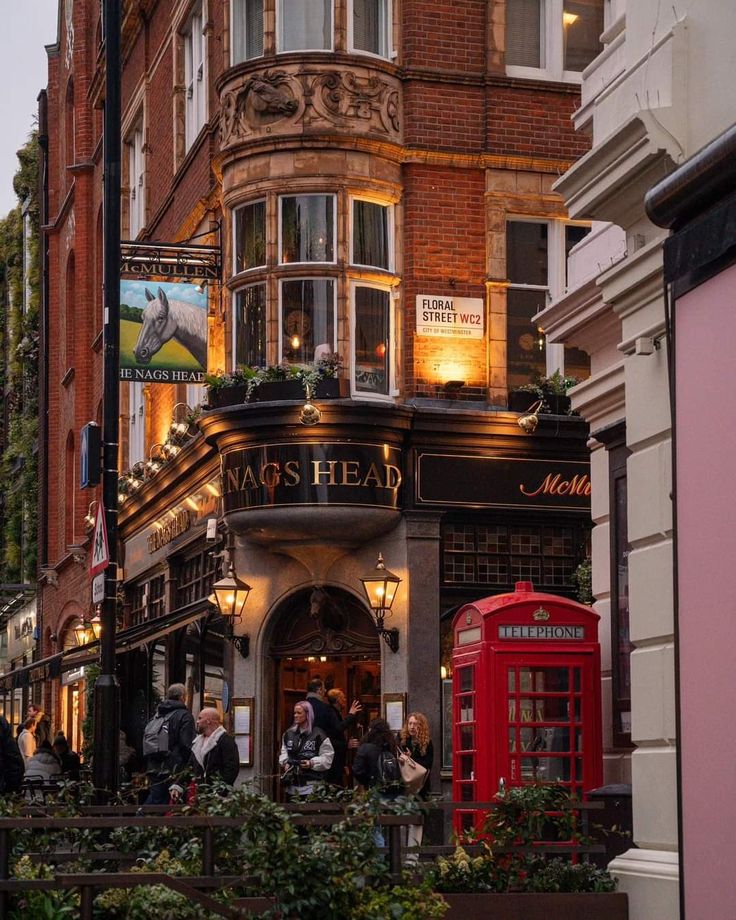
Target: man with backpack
{"points": [[12, 768], [167, 743]]}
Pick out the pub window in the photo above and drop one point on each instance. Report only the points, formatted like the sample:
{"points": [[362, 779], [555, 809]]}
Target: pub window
{"points": [[536, 266], [370, 24], [249, 328], [136, 424], [556, 39], [147, 601], [247, 30], [195, 578], [307, 228], [304, 25], [496, 556], [372, 340], [308, 319], [371, 236], [195, 85], [250, 236], [136, 178]]}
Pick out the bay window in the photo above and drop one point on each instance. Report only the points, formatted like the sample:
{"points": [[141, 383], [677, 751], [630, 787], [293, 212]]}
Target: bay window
{"points": [[370, 25], [553, 39], [247, 30], [371, 340], [371, 244], [307, 228], [249, 329], [250, 236], [304, 25], [308, 321]]}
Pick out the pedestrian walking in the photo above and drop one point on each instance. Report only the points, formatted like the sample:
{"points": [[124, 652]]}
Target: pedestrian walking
{"points": [[167, 743], [415, 743], [306, 752], [11, 760], [337, 699], [27, 740], [214, 752]]}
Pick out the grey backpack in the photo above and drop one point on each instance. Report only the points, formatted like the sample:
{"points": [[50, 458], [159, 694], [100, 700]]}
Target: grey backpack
{"points": [[156, 737]]}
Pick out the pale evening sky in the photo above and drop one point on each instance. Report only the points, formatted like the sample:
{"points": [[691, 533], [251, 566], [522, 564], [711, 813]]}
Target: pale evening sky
{"points": [[27, 25]]}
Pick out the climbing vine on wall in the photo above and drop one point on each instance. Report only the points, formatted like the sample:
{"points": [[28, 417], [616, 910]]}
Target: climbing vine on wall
{"points": [[19, 338]]}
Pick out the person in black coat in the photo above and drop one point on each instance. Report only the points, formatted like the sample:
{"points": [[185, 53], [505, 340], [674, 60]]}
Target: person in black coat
{"points": [[369, 765], [214, 752], [12, 767], [180, 728], [415, 742], [338, 701]]}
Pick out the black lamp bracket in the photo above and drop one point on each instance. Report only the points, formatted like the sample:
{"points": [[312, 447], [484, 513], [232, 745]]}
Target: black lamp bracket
{"points": [[391, 638]]}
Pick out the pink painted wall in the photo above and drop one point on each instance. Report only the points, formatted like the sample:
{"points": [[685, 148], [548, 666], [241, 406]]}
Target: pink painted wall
{"points": [[706, 532]]}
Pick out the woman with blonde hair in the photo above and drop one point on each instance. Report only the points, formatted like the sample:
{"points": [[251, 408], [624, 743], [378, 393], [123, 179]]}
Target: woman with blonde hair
{"points": [[415, 742]]}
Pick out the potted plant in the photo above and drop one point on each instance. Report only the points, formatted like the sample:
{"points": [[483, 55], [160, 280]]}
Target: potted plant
{"points": [[290, 381], [228, 389], [551, 390]]}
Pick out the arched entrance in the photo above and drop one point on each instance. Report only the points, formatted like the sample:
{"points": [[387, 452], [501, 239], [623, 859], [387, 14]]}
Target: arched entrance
{"points": [[325, 632]]}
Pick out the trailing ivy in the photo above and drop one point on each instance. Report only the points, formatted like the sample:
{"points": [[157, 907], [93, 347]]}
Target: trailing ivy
{"points": [[19, 330]]}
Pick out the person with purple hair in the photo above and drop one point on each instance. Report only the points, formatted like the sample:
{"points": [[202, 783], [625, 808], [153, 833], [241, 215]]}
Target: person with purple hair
{"points": [[306, 752]]}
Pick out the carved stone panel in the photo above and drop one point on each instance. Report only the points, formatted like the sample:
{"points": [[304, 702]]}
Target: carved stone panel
{"points": [[298, 100]]}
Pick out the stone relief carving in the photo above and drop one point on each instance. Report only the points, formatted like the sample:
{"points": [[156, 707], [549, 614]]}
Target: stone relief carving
{"points": [[337, 99]]}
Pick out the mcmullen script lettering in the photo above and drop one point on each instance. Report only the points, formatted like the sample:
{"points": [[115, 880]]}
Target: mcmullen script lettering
{"points": [[556, 484]]}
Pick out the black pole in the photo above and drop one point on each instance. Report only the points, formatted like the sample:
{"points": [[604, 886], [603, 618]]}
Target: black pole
{"points": [[105, 769]]}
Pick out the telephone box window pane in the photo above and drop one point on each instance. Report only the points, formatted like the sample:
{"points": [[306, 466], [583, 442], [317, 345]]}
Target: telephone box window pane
{"points": [[372, 346], [467, 792], [467, 738], [578, 769], [579, 740], [250, 236], [557, 709], [307, 228], [576, 709], [467, 821], [466, 709], [532, 710], [558, 769], [466, 676], [512, 679], [512, 740], [467, 762], [576, 679]]}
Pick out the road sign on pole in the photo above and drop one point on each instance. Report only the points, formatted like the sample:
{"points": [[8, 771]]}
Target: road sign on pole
{"points": [[100, 549], [98, 588]]}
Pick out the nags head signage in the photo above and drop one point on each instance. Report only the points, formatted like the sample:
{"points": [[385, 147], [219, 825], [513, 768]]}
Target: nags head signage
{"points": [[487, 482], [340, 473]]}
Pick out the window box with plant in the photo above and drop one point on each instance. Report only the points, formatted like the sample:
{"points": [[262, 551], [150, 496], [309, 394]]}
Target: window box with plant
{"points": [[551, 390], [278, 382]]}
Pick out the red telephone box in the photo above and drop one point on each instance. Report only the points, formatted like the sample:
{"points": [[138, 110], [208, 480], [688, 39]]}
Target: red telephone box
{"points": [[526, 696]]}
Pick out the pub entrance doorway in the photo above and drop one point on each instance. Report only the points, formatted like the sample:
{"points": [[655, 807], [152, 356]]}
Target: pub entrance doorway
{"points": [[327, 633]]}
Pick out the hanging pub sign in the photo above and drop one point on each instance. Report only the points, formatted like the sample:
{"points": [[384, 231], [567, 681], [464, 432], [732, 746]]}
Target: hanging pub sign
{"points": [[163, 311], [163, 332]]}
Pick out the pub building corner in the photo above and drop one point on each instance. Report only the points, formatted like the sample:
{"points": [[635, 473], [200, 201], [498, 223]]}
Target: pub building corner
{"points": [[459, 501]]}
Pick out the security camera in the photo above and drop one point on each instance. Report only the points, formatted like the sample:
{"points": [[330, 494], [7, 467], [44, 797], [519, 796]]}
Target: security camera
{"points": [[211, 530]]}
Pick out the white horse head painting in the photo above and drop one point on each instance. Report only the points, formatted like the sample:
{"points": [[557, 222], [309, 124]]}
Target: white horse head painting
{"points": [[165, 319]]}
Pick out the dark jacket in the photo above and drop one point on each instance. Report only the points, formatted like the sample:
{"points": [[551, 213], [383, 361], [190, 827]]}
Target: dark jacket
{"points": [[181, 735], [297, 746], [222, 762], [325, 715], [365, 767], [336, 773], [12, 766], [425, 760]]}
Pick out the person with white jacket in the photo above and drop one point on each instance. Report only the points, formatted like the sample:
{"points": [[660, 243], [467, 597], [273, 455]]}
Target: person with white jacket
{"points": [[306, 752]]}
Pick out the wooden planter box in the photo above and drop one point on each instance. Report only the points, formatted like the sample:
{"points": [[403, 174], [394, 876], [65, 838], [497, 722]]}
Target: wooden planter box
{"points": [[521, 400], [556, 405], [221, 397], [275, 390], [588, 906]]}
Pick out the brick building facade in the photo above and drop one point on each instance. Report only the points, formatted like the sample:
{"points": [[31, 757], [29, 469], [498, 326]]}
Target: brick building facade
{"points": [[416, 148]]}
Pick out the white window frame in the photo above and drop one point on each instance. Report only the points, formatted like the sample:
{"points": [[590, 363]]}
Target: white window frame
{"points": [[234, 315], [195, 395], [237, 208], [282, 281], [556, 275], [551, 48], [354, 391], [331, 195], [280, 34], [233, 62], [136, 181], [387, 33], [136, 424], [390, 232], [195, 74]]}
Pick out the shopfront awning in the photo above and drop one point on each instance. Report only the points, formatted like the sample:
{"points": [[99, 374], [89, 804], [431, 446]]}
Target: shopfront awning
{"points": [[127, 640]]}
